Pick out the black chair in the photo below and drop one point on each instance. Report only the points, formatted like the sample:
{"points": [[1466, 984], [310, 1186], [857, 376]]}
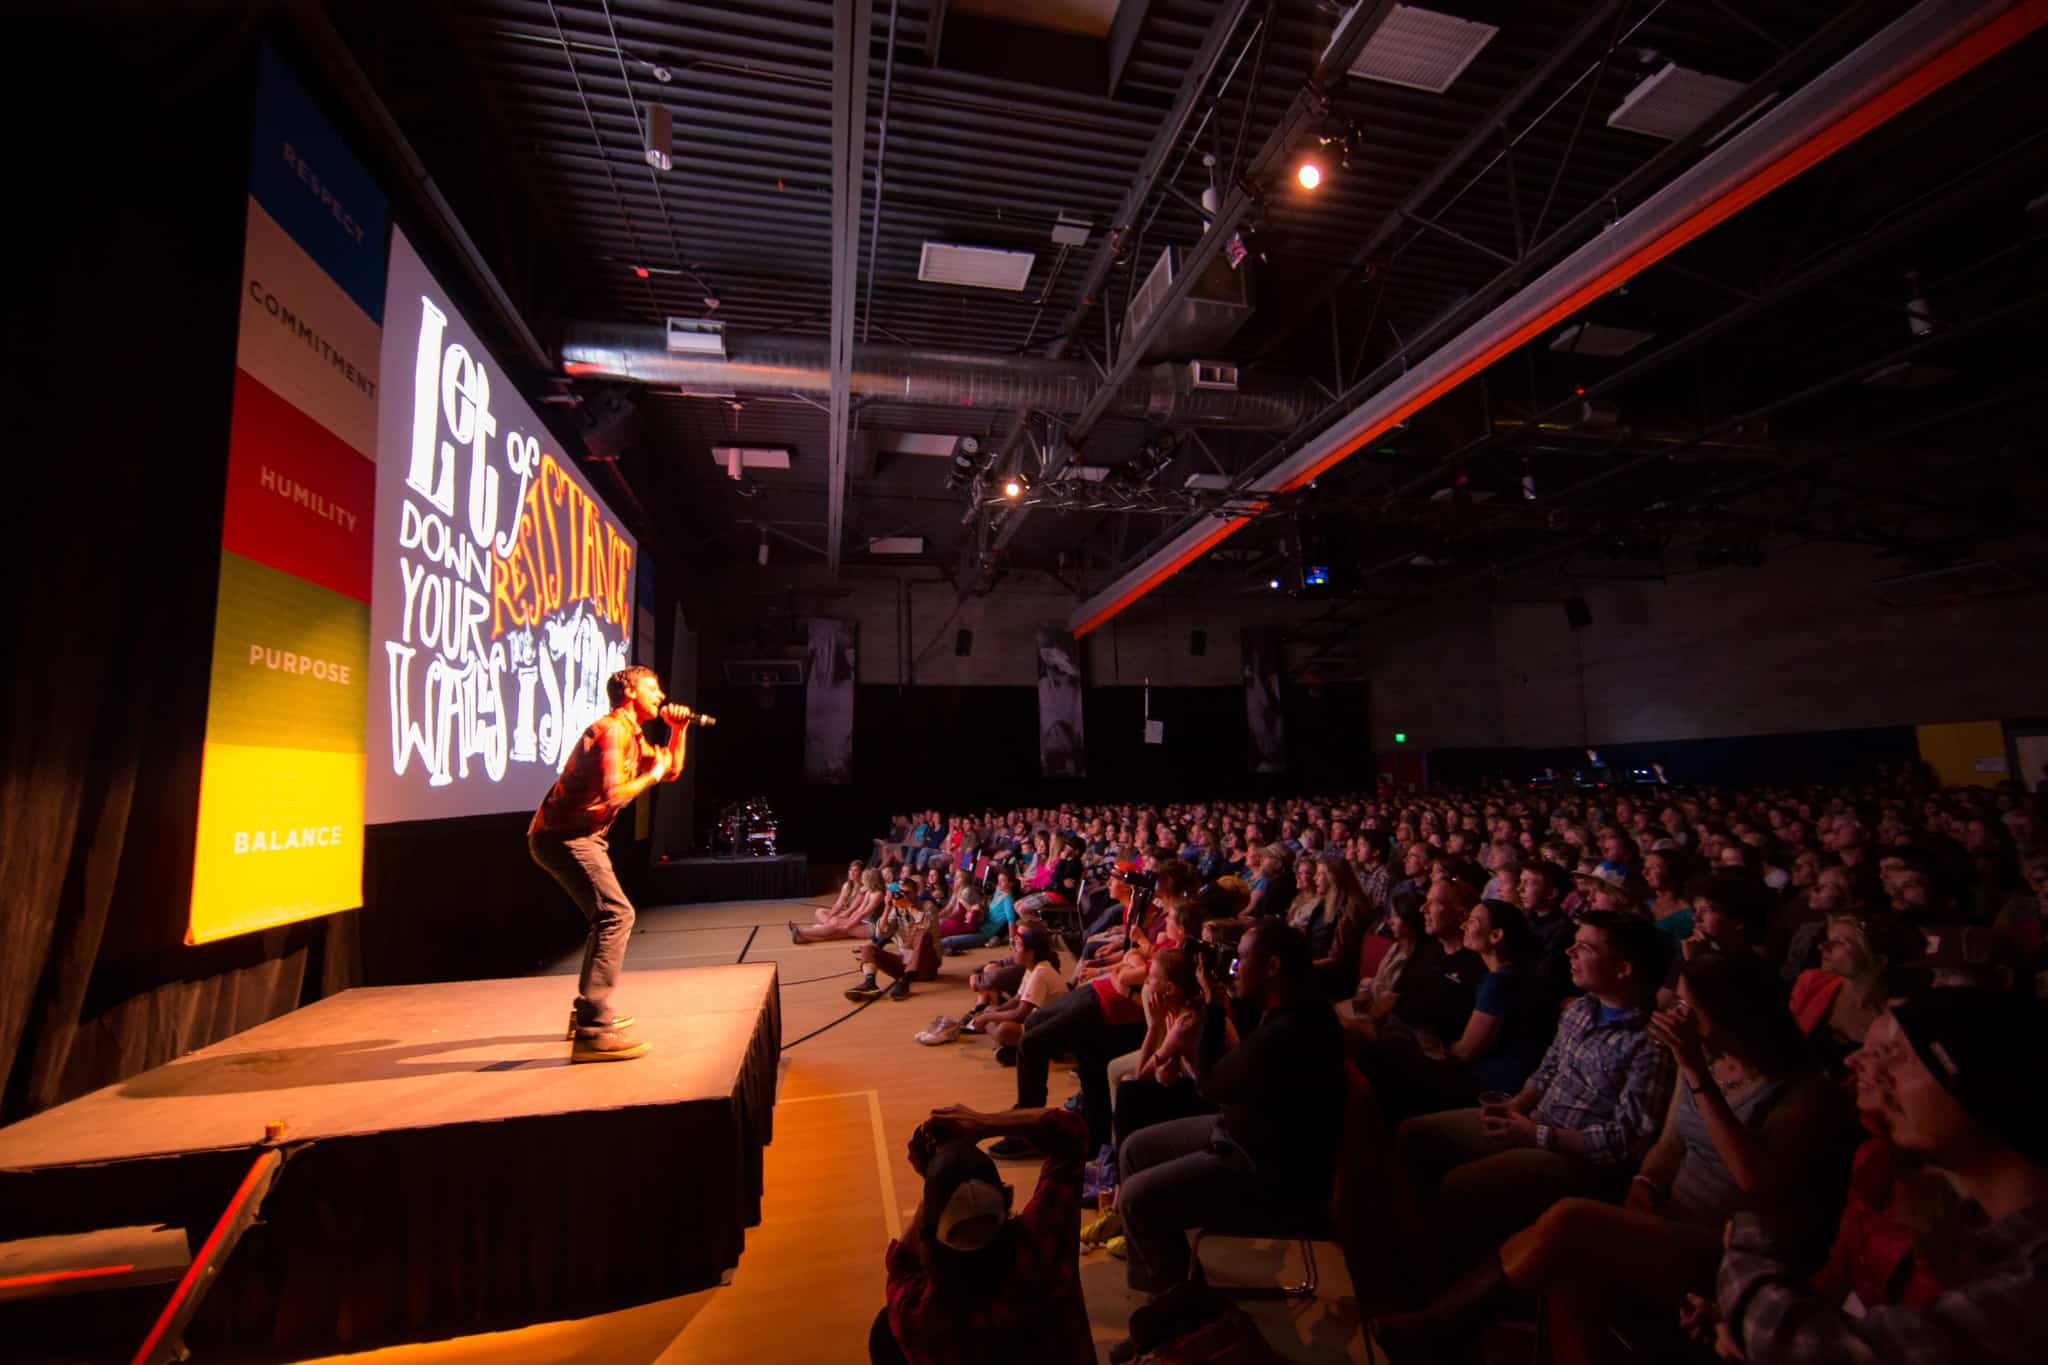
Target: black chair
{"points": [[1306, 1227]]}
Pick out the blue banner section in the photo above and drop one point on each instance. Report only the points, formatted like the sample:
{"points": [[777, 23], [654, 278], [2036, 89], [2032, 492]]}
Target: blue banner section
{"points": [[305, 177]]}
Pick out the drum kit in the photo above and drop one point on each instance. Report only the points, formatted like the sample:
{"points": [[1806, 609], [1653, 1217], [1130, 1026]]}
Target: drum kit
{"points": [[745, 829]]}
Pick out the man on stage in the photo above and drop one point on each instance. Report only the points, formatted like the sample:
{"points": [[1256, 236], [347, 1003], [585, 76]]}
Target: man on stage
{"points": [[611, 765]]}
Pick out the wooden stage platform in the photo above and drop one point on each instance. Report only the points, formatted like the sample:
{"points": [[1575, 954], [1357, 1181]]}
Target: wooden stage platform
{"points": [[447, 1168]]}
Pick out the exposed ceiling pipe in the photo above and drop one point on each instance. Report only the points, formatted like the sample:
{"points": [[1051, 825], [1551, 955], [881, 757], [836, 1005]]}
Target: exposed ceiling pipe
{"points": [[1925, 49], [761, 362]]}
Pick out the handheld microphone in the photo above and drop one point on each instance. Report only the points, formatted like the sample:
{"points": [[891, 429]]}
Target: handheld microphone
{"points": [[676, 714]]}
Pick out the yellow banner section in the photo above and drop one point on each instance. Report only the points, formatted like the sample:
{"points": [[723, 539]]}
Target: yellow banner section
{"points": [[280, 838], [1964, 753]]}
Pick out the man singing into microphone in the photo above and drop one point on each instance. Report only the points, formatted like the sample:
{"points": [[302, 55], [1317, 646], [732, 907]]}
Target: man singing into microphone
{"points": [[611, 765]]}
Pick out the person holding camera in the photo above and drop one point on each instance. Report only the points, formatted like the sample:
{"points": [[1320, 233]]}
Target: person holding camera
{"points": [[970, 1281]]}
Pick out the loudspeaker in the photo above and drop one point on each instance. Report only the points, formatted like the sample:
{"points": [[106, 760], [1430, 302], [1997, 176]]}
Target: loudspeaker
{"points": [[963, 643], [610, 422], [1577, 613], [1198, 642]]}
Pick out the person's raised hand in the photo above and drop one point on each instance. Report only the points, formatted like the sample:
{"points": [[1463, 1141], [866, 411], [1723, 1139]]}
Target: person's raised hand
{"points": [[1678, 1032]]}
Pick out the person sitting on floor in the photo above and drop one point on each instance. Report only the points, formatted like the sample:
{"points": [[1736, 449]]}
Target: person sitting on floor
{"points": [[904, 946], [1038, 983], [1966, 1091], [1754, 1125], [970, 1282], [1280, 1092], [850, 917], [1586, 1116], [995, 921], [961, 915]]}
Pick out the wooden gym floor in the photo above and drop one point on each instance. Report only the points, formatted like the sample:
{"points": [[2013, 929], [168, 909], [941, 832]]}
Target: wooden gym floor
{"points": [[838, 1185]]}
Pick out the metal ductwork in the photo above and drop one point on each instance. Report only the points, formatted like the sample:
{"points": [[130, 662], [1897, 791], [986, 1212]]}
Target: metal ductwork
{"points": [[766, 363]]}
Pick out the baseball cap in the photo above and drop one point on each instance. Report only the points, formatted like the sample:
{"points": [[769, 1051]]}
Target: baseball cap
{"points": [[962, 1185]]}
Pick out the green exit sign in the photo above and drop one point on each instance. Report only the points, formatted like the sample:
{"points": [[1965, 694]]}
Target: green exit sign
{"points": [[1400, 736]]}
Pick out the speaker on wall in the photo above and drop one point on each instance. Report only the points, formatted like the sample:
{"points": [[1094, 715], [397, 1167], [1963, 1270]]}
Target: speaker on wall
{"points": [[963, 643], [1198, 642], [1577, 613]]}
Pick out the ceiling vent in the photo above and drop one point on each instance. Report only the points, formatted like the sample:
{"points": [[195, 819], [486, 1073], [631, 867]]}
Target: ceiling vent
{"points": [[1951, 586], [1597, 339], [1208, 315], [978, 267], [896, 545], [1673, 102], [696, 336], [1421, 49]]}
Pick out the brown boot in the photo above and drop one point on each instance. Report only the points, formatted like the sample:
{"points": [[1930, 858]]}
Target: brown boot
{"points": [[1452, 1322], [608, 1046], [617, 1021]]}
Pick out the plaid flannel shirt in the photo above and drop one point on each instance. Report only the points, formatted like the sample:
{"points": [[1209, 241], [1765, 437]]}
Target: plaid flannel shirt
{"points": [[1608, 1081], [1037, 1316], [1993, 1315]]}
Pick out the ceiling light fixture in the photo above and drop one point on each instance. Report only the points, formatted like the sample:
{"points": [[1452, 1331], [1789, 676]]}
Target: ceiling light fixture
{"points": [[1309, 174], [1013, 487]]}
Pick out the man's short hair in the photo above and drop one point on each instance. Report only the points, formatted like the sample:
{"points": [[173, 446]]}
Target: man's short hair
{"points": [[1293, 959], [624, 681], [1636, 941]]}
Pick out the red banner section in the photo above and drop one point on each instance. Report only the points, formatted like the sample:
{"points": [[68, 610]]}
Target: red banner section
{"points": [[298, 498]]}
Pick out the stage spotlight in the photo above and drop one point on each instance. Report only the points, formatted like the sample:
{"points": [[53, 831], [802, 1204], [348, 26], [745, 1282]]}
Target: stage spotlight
{"points": [[966, 459], [1273, 583], [1309, 173], [1013, 488]]}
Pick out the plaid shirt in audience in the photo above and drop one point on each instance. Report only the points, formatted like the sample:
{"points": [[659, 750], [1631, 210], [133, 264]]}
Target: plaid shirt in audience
{"points": [[1993, 1314], [1378, 883], [1036, 1316], [1608, 1081]]}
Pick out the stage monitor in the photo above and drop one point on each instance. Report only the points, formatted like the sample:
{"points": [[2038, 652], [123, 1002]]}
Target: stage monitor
{"points": [[502, 594]]}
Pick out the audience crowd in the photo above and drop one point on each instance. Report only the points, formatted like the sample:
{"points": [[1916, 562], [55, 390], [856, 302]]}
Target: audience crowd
{"points": [[1677, 1073]]}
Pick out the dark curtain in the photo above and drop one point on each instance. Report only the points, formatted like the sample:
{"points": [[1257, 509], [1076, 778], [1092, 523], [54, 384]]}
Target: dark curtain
{"points": [[125, 366]]}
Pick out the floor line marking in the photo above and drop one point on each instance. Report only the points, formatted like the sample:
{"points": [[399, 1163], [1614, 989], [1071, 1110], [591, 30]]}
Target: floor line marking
{"points": [[892, 1216]]}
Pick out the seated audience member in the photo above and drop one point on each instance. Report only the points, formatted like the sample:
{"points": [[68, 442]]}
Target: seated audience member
{"points": [[1434, 997], [1663, 876], [1965, 1091], [1280, 1092], [1161, 1082], [1590, 1111], [1352, 943], [850, 917], [1753, 1126], [968, 1282], [1835, 1003], [2024, 915], [963, 908], [1037, 983], [995, 920], [903, 947], [1504, 1038], [1834, 893], [1273, 889], [1061, 887], [1543, 886], [1101, 1019], [1375, 995]]}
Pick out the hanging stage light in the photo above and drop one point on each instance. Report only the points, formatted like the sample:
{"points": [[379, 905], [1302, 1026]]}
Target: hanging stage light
{"points": [[1013, 487], [1309, 173]]}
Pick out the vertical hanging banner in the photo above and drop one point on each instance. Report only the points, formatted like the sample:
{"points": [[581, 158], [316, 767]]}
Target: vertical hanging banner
{"points": [[1265, 720], [280, 833], [504, 586], [828, 702], [1062, 750]]}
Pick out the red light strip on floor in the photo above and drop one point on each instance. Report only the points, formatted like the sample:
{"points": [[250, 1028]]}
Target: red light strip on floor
{"points": [[1937, 72], [59, 1276]]}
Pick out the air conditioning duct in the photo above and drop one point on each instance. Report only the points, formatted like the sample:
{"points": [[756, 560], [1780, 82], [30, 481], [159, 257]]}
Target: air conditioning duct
{"points": [[768, 363], [1209, 315]]}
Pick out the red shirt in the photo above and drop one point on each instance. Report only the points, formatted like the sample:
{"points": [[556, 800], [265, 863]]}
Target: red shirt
{"points": [[1035, 1316], [585, 798]]}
